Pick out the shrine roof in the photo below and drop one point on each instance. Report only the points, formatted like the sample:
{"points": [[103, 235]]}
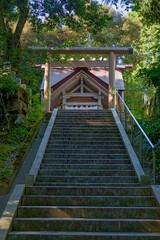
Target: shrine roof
{"points": [[59, 75]]}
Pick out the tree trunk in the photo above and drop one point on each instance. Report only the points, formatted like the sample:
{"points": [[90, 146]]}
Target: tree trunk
{"points": [[3, 39], [14, 46], [24, 10]]}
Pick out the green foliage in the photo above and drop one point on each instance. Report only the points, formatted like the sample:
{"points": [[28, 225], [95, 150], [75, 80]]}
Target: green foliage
{"points": [[5, 150], [148, 10], [152, 128], [30, 75], [8, 85], [13, 139], [37, 109], [46, 14], [146, 71], [75, 14], [151, 74]]}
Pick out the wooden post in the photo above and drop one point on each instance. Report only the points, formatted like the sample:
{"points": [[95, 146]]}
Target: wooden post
{"points": [[99, 100], [111, 79], [47, 84], [81, 84], [64, 99]]}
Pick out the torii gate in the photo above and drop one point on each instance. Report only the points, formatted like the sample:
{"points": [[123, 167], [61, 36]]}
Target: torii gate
{"points": [[111, 51]]}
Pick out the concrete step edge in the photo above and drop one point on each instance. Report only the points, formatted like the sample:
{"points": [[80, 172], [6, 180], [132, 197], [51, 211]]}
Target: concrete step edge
{"points": [[110, 234]]}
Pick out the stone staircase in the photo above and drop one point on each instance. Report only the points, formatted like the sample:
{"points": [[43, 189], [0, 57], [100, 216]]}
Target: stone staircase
{"points": [[86, 188]]}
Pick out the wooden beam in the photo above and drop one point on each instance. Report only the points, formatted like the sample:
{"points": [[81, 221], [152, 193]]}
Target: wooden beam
{"points": [[74, 64], [85, 50], [87, 88], [81, 103], [75, 89], [81, 95]]}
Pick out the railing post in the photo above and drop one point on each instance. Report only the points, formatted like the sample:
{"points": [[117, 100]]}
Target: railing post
{"points": [[125, 118], [154, 166], [115, 100], [120, 110], [132, 128], [141, 148]]}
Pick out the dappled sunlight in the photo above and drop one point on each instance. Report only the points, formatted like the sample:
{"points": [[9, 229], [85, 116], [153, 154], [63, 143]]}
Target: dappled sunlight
{"points": [[98, 122], [5, 222], [59, 213]]}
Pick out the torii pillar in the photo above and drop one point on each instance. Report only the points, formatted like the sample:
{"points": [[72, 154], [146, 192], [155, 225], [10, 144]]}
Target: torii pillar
{"points": [[47, 85], [111, 97]]}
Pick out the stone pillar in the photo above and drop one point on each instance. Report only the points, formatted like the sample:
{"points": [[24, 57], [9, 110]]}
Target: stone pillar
{"points": [[145, 96], [47, 85], [111, 79]]}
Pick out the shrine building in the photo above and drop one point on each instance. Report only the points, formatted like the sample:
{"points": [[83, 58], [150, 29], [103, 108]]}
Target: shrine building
{"points": [[83, 84]]}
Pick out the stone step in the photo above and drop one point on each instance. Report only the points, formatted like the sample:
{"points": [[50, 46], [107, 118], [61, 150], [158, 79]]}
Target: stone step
{"points": [[84, 135], [88, 141], [98, 125], [36, 235], [88, 172], [82, 146], [86, 156], [87, 166], [85, 118], [85, 123], [53, 184], [89, 190], [90, 179], [84, 131], [88, 200], [84, 114], [85, 151], [51, 160], [79, 115], [86, 224], [89, 127], [88, 212]]}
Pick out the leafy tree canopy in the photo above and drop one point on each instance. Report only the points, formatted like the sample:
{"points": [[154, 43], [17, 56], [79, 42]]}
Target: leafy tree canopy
{"points": [[47, 13], [148, 10]]}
